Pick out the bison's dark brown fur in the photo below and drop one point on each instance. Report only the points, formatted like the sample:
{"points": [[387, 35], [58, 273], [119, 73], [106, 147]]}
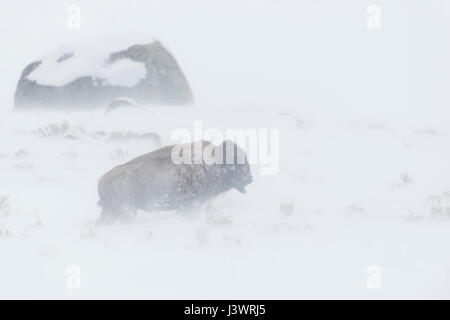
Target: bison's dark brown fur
{"points": [[154, 182]]}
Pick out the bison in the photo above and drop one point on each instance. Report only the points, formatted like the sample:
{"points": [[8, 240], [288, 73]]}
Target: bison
{"points": [[155, 181]]}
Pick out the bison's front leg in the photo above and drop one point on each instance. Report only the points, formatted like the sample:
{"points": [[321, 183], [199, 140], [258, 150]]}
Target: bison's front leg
{"points": [[128, 214], [111, 214], [108, 216]]}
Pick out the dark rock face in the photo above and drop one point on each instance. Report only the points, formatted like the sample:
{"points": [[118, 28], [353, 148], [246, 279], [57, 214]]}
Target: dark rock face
{"points": [[155, 182], [164, 83]]}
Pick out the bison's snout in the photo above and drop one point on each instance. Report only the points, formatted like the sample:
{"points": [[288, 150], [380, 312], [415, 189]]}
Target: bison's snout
{"points": [[241, 187]]}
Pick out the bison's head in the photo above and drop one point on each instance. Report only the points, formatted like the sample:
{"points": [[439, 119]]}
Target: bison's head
{"points": [[236, 170]]}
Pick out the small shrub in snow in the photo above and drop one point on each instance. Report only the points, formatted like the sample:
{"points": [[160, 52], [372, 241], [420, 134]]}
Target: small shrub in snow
{"points": [[355, 209], [53, 130], [14, 223], [149, 235], [21, 154], [4, 232], [72, 154], [24, 166], [218, 220], [233, 240], [404, 179], [440, 205], [213, 217], [4, 214], [202, 237], [287, 209], [299, 122], [4, 206], [87, 231], [120, 155], [412, 217]]}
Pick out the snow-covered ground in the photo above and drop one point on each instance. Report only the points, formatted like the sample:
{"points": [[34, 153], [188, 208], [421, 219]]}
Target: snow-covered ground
{"points": [[360, 207], [365, 192]]}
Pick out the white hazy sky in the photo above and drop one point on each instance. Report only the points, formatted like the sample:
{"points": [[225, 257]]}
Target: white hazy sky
{"points": [[315, 53]]}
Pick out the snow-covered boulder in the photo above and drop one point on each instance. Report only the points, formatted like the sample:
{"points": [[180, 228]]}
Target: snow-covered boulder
{"points": [[91, 74]]}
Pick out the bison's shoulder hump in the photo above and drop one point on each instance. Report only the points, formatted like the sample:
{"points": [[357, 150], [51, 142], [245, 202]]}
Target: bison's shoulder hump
{"points": [[160, 154]]}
